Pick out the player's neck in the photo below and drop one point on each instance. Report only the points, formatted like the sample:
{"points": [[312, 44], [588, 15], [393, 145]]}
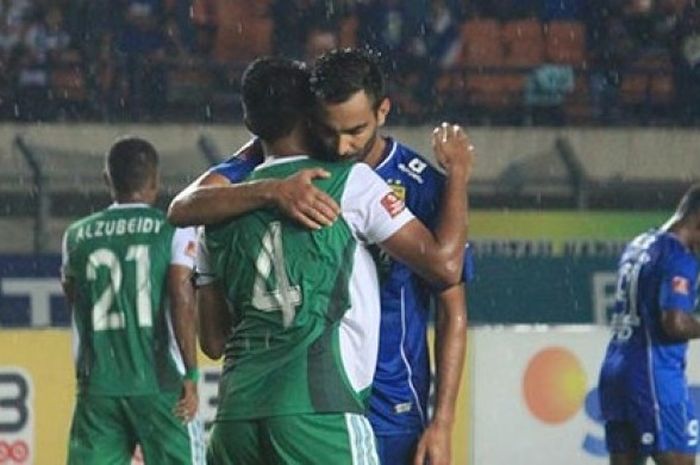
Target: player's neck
{"points": [[681, 233], [374, 157], [136, 197], [285, 147]]}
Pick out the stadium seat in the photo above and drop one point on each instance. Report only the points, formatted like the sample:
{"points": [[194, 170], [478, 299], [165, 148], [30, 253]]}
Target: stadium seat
{"points": [[244, 40], [662, 90], [566, 42], [494, 91], [523, 43], [634, 88], [649, 80], [481, 43], [68, 84]]}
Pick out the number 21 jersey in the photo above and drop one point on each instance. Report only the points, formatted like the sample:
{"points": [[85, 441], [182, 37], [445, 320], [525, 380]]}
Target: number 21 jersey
{"points": [[117, 260]]}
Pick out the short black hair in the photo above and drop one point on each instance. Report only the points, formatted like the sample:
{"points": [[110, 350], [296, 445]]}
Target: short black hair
{"points": [[276, 96], [341, 73], [132, 163], [690, 203]]}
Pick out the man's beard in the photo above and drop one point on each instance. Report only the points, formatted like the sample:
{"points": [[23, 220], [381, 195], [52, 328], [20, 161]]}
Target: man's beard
{"points": [[361, 154]]}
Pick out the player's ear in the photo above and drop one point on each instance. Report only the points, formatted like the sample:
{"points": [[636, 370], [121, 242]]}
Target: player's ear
{"points": [[383, 110]]}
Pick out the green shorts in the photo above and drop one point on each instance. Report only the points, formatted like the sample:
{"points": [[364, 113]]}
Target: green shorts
{"points": [[106, 430], [338, 439]]}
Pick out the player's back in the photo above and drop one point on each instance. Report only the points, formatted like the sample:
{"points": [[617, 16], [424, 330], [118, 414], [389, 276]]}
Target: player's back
{"points": [[640, 356], [290, 289], [118, 260]]}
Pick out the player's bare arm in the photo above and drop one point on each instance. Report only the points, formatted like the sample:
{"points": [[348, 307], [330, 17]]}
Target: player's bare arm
{"points": [[181, 295], [680, 325], [438, 256], [214, 320], [211, 198], [69, 291], [450, 347]]}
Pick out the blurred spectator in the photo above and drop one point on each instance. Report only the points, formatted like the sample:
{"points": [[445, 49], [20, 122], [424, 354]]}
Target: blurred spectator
{"points": [[383, 25], [508, 9], [180, 12], [294, 19], [427, 55], [205, 26], [175, 47], [142, 44], [92, 25], [32, 78], [566, 10], [608, 45], [319, 40], [545, 90], [687, 58]]}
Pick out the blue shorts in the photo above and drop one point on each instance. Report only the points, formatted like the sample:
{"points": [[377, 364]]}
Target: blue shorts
{"points": [[675, 429], [397, 449]]}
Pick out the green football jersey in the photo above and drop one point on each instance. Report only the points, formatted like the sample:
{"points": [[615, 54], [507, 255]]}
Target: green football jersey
{"points": [[303, 340], [118, 261]]}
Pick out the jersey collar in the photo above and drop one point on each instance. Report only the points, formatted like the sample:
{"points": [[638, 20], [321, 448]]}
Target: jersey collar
{"points": [[272, 161], [389, 151], [116, 205]]}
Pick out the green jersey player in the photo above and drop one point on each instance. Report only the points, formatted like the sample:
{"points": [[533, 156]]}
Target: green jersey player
{"points": [[301, 341], [126, 276]]}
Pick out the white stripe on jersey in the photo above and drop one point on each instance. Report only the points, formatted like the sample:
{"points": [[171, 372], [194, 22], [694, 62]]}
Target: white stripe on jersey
{"points": [[409, 370], [195, 430], [363, 447]]}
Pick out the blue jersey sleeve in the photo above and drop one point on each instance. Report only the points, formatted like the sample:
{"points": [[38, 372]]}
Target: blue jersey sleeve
{"points": [[241, 164], [678, 284]]}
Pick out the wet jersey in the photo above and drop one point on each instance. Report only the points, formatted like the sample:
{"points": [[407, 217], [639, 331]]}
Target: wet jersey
{"points": [[305, 304], [117, 261], [402, 381], [642, 365]]}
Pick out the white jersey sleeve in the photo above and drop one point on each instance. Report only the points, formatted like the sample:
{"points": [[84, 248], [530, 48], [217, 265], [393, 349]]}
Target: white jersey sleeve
{"points": [[204, 274], [370, 207], [184, 247]]}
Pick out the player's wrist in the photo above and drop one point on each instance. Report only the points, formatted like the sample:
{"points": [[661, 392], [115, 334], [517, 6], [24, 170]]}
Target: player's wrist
{"points": [[192, 374], [443, 421], [270, 190]]}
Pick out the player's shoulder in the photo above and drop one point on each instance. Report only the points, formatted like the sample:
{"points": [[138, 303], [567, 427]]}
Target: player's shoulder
{"points": [[416, 166], [672, 254], [81, 222]]}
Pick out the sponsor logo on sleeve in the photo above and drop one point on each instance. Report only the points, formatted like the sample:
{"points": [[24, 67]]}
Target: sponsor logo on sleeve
{"points": [[680, 285], [398, 188], [392, 204]]}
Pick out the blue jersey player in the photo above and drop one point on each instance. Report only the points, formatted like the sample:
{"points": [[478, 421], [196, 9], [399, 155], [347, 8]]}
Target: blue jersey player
{"points": [[350, 90], [643, 390], [350, 85]]}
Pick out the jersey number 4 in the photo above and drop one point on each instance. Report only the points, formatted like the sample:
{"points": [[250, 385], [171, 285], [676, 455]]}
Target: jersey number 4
{"points": [[285, 297], [102, 318]]}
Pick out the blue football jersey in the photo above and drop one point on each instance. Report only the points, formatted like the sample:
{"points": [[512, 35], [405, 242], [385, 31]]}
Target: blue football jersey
{"points": [[398, 404], [643, 367]]}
